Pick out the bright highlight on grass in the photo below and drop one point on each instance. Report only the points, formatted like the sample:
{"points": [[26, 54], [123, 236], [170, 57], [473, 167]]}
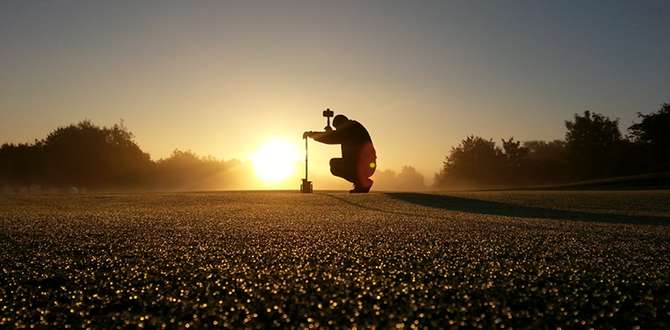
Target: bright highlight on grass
{"points": [[275, 161]]}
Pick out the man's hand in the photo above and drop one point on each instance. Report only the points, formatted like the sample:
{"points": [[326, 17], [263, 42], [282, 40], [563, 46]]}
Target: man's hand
{"points": [[307, 134]]}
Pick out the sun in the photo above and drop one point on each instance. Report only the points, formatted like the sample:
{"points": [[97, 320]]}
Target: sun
{"points": [[275, 161]]}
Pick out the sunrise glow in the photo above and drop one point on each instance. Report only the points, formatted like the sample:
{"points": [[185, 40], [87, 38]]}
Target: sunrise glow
{"points": [[221, 78], [275, 161]]}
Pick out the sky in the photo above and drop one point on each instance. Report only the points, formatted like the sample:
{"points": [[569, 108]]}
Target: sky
{"points": [[221, 78]]}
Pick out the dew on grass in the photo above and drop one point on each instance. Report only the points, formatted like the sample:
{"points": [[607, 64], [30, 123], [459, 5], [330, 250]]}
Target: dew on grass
{"points": [[260, 259]]}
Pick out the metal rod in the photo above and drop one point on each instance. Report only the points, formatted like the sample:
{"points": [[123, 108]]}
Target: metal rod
{"points": [[306, 158]]}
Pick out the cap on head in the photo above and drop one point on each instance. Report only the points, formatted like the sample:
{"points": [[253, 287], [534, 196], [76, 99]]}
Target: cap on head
{"points": [[340, 120]]}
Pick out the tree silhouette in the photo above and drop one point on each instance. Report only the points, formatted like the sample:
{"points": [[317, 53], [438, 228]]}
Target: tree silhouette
{"points": [[183, 170], [20, 166], [476, 162], [128, 166], [75, 156], [93, 158], [591, 145], [87, 156], [410, 179], [653, 133], [514, 154], [542, 150], [514, 162], [545, 164]]}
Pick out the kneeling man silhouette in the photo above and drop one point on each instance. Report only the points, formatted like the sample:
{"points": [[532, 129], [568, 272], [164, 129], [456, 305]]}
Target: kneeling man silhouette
{"points": [[359, 159]]}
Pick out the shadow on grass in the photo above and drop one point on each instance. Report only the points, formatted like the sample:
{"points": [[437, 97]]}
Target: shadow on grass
{"points": [[469, 205]]}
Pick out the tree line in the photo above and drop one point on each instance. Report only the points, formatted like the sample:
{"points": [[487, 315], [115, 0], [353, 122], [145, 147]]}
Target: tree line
{"points": [[87, 157], [593, 148], [409, 179]]}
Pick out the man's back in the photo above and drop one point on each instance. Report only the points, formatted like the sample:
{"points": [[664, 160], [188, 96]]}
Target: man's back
{"points": [[352, 136]]}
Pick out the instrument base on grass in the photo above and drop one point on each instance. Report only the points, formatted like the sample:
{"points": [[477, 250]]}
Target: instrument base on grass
{"points": [[306, 187]]}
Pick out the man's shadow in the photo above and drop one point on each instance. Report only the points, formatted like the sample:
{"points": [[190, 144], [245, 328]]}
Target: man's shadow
{"points": [[469, 205]]}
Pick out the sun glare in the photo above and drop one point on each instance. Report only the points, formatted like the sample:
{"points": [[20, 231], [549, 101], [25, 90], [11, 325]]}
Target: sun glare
{"points": [[275, 161]]}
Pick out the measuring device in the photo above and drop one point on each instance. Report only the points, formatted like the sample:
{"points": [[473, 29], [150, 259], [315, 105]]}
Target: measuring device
{"points": [[306, 185]]}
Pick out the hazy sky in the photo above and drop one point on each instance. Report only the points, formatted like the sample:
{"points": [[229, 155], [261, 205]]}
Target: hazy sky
{"points": [[222, 77]]}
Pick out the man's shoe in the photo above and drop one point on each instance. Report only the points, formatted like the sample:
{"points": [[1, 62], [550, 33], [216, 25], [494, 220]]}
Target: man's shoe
{"points": [[361, 190]]}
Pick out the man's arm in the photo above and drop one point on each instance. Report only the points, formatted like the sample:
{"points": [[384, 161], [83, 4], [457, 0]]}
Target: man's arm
{"points": [[327, 137]]}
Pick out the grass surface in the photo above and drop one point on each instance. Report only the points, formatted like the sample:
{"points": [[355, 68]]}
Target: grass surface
{"points": [[522, 260], [654, 181]]}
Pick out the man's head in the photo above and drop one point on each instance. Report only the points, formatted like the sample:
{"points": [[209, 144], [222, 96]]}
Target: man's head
{"points": [[340, 120]]}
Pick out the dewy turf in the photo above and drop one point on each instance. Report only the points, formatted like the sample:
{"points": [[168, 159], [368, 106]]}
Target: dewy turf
{"points": [[491, 260]]}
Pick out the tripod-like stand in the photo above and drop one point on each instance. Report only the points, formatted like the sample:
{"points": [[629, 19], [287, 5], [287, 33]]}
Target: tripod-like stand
{"points": [[306, 186]]}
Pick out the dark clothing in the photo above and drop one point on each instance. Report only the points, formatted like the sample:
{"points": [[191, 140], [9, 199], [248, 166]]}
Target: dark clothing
{"points": [[357, 172], [359, 159]]}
